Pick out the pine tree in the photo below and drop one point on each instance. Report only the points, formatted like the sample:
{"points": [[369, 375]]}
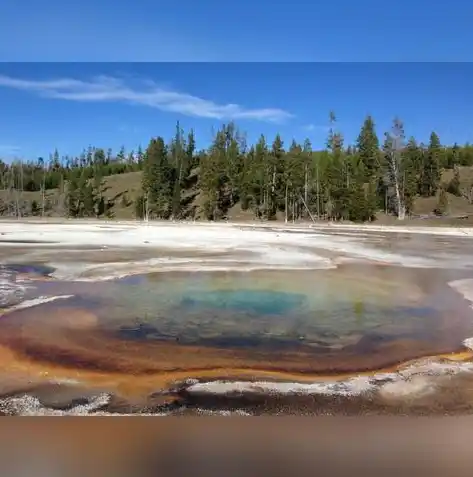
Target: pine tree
{"points": [[55, 162], [276, 169], [213, 178], [35, 209], [72, 198], [139, 157], [453, 156], [192, 161], [146, 181], [233, 161], [293, 181], [337, 174], [341, 182], [308, 179], [85, 201], [98, 184], [259, 178], [179, 165], [431, 170], [159, 179], [368, 151], [121, 155], [367, 146]]}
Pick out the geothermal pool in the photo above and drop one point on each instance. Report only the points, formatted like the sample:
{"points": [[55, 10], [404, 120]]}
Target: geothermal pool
{"points": [[161, 321]]}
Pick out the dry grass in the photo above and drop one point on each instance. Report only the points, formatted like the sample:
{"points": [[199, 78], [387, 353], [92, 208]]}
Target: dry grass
{"points": [[30, 196], [124, 189], [466, 175]]}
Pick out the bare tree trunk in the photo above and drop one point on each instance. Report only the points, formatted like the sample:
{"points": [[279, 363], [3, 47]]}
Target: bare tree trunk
{"points": [[176, 196], [285, 206], [9, 195], [42, 192], [305, 184], [21, 182], [400, 206], [394, 156], [264, 201], [147, 207], [17, 196], [401, 209], [318, 194], [307, 208], [468, 194]]}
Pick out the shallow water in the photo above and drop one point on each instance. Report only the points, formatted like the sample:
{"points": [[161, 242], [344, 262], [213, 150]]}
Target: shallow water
{"points": [[318, 309], [332, 335], [321, 309], [134, 336]]}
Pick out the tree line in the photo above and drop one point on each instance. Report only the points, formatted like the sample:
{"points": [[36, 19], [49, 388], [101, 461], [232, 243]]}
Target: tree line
{"points": [[271, 179]]}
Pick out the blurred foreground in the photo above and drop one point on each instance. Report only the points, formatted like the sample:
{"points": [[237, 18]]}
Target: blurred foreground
{"points": [[216, 447]]}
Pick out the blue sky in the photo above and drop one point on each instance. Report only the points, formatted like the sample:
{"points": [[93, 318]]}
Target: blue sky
{"points": [[209, 30], [72, 105]]}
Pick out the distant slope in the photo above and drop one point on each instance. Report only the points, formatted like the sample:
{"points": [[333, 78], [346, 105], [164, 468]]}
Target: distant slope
{"points": [[457, 205], [466, 175], [124, 189]]}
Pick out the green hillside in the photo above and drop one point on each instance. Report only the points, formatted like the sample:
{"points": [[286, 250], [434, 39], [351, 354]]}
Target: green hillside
{"points": [[270, 179], [123, 190]]}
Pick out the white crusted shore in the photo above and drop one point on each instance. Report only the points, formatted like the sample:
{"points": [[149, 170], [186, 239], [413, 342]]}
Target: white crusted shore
{"points": [[165, 246]]}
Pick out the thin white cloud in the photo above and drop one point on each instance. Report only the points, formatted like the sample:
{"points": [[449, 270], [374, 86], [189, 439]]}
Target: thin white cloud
{"points": [[313, 127], [9, 149], [105, 88], [128, 128]]}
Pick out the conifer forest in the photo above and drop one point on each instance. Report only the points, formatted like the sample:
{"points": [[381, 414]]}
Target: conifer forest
{"points": [[275, 178]]}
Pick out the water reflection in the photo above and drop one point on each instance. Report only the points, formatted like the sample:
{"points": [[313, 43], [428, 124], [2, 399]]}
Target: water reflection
{"points": [[137, 335], [353, 308], [264, 302], [29, 269]]}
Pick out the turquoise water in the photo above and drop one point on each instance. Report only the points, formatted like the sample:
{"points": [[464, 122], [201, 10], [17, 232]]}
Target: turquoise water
{"points": [[261, 302], [324, 309]]}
